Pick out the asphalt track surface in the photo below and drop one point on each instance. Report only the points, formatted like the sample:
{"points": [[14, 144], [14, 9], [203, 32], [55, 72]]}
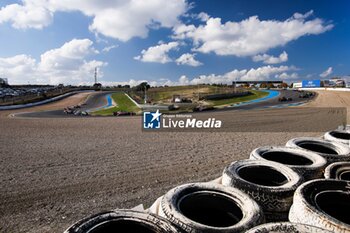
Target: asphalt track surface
{"points": [[294, 95], [94, 101], [97, 100]]}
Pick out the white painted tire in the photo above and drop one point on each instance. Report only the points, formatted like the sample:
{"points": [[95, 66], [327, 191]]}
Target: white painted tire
{"points": [[286, 227], [322, 203], [308, 164], [338, 171], [342, 136], [122, 221], [270, 184], [207, 207], [331, 151], [155, 206]]}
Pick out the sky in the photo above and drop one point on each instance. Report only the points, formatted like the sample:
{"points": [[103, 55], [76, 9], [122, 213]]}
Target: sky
{"points": [[172, 42]]}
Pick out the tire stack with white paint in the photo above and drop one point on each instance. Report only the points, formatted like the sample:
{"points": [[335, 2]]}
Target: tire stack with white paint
{"points": [[207, 207], [270, 184], [330, 150], [325, 203], [275, 185], [123, 221]]}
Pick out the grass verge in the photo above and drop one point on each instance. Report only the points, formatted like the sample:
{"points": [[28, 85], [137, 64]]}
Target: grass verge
{"points": [[254, 95], [123, 104]]}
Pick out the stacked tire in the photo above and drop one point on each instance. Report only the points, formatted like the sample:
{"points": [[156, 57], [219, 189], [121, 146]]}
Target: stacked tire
{"points": [[271, 184], [307, 164], [331, 151], [205, 207], [341, 136], [322, 203], [283, 227], [275, 185], [123, 221], [338, 171]]}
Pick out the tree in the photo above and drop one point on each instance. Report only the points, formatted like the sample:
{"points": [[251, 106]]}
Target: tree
{"points": [[270, 85], [263, 85], [284, 85], [143, 86], [97, 86]]}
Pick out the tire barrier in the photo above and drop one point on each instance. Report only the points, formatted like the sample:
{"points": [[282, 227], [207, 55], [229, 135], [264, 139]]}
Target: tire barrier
{"points": [[286, 227], [342, 136], [339, 171], [206, 207], [331, 151], [270, 184], [324, 204], [308, 164], [154, 209], [123, 221]]}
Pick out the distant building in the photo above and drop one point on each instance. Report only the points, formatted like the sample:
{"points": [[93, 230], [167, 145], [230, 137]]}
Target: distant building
{"points": [[334, 82], [297, 85], [277, 82], [3, 82]]}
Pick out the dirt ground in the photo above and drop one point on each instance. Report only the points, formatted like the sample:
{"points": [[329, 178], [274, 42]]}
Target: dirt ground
{"points": [[332, 99], [55, 171]]}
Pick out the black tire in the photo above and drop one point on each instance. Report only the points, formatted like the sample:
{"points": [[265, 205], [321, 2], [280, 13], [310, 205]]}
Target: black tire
{"points": [[322, 203], [122, 221], [286, 227], [331, 151], [338, 171], [270, 184], [342, 136], [308, 164], [206, 207]]}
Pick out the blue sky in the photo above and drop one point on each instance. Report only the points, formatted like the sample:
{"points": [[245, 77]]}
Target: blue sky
{"points": [[172, 42]]}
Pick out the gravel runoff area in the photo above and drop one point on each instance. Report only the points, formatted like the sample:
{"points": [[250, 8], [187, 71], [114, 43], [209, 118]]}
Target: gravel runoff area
{"points": [[55, 171]]}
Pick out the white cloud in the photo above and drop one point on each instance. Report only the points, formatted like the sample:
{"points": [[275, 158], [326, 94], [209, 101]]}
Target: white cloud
{"points": [[119, 19], [188, 59], [203, 16], [67, 64], [20, 66], [183, 80], [158, 53], [327, 72], [109, 48], [67, 56], [268, 59], [250, 36], [286, 76], [28, 15], [263, 73]]}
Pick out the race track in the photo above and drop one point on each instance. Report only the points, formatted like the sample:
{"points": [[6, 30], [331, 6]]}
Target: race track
{"points": [[93, 102], [55, 171], [99, 100]]}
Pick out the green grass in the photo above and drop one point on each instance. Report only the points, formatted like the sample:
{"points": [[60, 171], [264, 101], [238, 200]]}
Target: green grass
{"points": [[255, 95], [123, 104], [165, 94]]}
